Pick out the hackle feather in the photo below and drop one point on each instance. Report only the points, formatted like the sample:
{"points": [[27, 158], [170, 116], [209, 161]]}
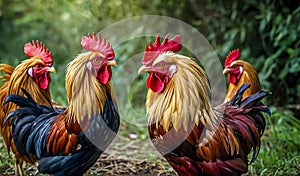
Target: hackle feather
{"points": [[86, 96], [180, 104], [249, 75]]}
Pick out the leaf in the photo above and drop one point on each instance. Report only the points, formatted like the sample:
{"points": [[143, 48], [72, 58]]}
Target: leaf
{"points": [[268, 16], [294, 65], [284, 71], [262, 25]]}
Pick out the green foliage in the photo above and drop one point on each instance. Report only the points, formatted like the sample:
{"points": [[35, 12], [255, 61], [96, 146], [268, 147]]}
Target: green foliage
{"points": [[280, 42], [279, 154], [265, 31], [4, 161]]}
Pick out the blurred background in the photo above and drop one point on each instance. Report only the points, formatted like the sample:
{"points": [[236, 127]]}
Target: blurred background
{"points": [[267, 33]]}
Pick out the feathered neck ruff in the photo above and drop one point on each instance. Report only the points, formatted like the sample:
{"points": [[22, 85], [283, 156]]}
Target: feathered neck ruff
{"points": [[21, 79], [249, 75], [185, 100], [86, 95]]}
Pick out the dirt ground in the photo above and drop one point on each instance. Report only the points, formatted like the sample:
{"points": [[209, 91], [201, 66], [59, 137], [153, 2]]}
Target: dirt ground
{"points": [[122, 157]]}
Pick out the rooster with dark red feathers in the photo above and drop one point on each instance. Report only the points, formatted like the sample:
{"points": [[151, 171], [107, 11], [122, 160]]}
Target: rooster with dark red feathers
{"points": [[195, 137], [33, 75], [69, 141]]}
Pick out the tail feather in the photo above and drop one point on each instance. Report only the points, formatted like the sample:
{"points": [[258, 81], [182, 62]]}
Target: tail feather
{"points": [[8, 69], [251, 124], [237, 98], [31, 124], [251, 101], [256, 107], [21, 139], [27, 102], [75, 164], [21, 101], [42, 130], [27, 107], [255, 100]]}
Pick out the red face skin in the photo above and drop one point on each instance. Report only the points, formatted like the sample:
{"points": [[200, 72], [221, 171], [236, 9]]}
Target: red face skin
{"points": [[40, 74], [234, 74], [99, 68], [159, 76]]}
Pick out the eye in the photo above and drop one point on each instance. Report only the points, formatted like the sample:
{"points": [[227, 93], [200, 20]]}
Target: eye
{"points": [[98, 59], [161, 65], [38, 66]]}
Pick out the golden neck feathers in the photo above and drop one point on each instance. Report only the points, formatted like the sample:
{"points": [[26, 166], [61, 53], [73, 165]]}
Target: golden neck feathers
{"points": [[20, 79], [185, 100], [249, 76], [86, 96]]}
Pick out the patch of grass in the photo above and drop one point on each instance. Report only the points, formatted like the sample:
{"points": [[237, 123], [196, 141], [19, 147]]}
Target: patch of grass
{"points": [[6, 161], [280, 150]]}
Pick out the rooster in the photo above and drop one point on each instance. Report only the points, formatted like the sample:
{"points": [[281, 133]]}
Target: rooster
{"points": [[69, 141], [194, 137], [240, 72], [33, 75]]}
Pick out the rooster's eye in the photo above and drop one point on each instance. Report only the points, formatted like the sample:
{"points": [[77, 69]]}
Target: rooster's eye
{"points": [[162, 65], [97, 60], [38, 66]]}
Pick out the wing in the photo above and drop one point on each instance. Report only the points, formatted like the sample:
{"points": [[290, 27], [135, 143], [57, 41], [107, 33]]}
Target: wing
{"points": [[36, 130], [75, 164]]}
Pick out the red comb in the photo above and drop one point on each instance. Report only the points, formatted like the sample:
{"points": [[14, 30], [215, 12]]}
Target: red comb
{"points": [[94, 43], [232, 56], [153, 50], [36, 48]]}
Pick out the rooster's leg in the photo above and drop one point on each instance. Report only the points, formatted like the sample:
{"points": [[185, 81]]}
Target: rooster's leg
{"points": [[18, 168]]}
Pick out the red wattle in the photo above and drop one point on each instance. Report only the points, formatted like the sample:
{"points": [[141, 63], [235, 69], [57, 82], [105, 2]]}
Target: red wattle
{"points": [[44, 80], [232, 79], [104, 74], [156, 83]]}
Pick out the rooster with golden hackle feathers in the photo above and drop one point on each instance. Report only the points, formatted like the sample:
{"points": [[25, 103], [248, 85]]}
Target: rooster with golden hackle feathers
{"points": [[195, 137], [240, 72], [68, 141], [33, 75]]}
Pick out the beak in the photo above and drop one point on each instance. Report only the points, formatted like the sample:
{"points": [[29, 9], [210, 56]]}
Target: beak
{"points": [[112, 63], [143, 69], [51, 69], [226, 70]]}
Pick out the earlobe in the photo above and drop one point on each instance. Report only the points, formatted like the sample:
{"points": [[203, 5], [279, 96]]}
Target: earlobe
{"points": [[89, 66], [172, 69], [241, 69], [30, 72]]}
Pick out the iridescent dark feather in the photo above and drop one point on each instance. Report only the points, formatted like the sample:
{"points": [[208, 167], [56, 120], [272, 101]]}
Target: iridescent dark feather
{"points": [[69, 165], [31, 126]]}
